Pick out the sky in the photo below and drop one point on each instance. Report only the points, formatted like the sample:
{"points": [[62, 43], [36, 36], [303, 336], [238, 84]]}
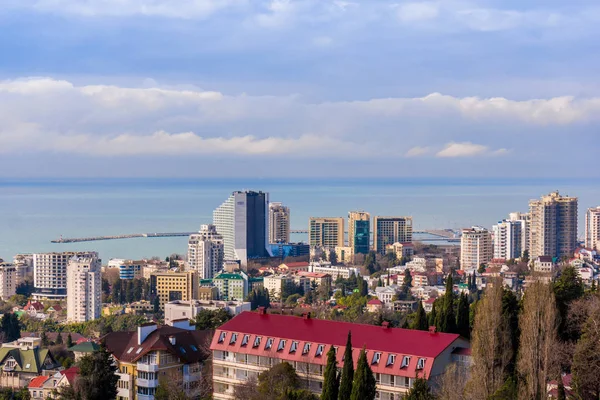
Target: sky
{"points": [[299, 88]]}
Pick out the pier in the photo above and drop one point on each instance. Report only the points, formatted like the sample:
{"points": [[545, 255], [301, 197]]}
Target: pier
{"points": [[130, 236]]}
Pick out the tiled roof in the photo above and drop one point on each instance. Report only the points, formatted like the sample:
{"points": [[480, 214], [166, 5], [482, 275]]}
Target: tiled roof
{"points": [[30, 360], [545, 259], [52, 336], [319, 335], [124, 345], [85, 347], [38, 381], [70, 374], [375, 302]]}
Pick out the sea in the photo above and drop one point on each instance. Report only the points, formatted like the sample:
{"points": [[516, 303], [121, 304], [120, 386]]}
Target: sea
{"points": [[35, 211]]}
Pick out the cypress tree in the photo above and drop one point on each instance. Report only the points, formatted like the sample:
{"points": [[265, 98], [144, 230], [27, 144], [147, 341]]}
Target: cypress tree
{"points": [[420, 390], [331, 383], [364, 386], [59, 338], [462, 317], [420, 322], [44, 338], [433, 315], [448, 317], [347, 377], [69, 341]]}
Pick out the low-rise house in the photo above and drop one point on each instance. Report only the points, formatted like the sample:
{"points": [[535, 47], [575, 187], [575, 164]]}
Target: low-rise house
{"points": [[408, 306], [44, 387], [386, 294], [179, 309], [428, 304], [316, 278], [374, 305], [83, 349], [23, 360], [294, 267], [33, 308], [335, 271], [552, 387], [544, 265], [139, 307]]}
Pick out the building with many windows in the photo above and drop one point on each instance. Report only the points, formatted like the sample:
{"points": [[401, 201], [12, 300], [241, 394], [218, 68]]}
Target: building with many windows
{"points": [[251, 343], [553, 230], [8, 280], [359, 232], [84, 289], [171, 286], [389, 230], [475, 247], [508, 239], [131, 269], [592, 228], [176, 310], [206, 252], [326, 232], [242, 221], [335, 271], [153, 353], [232, 286], [279, 223], [50, 273]]}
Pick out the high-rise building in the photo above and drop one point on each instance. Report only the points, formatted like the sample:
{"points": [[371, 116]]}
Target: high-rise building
{"points": [[242, 221], [359, 231], [279, 223], [171, 286], [50, 273], [508, 239], [205, 252], [8, 280], [389, 230], [592, 228], [553, 230], [84, 289], [525, 220], [475, 247], [326, 232]]}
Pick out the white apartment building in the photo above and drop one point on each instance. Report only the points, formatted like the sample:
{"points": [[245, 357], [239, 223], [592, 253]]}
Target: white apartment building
{"points": [[50, 273], [275, 284], [84, 289], [475, 247], [544, 265], [386, 294], [324, 267], [508, 239], [206, 252], [24, 266], [279, 223], [8, 280], [179, 309], [592, 228], [525, 220]]}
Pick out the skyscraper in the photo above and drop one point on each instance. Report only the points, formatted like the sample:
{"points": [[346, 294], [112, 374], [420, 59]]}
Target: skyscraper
{"points": [[359, 231], [50, 273], [279, 223], [389, 230], [508, 239], [84, 289], [475, 247], [592, 228], [8, 280], [242, 221], [326, 232], [205, 252], [553, 229]]}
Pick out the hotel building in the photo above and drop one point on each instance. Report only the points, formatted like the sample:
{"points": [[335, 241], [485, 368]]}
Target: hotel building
{"points": [[206, 252], [84, 289], [326, 232], [50, 273], [389, 230]]}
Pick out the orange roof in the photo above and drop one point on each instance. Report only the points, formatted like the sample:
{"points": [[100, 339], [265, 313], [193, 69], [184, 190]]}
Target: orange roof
{"points": [[38, 381]]}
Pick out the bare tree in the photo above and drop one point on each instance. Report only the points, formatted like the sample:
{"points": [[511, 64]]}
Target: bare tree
{"points": [[247, 390], [451, 385], [491, 345], [537, 322]]}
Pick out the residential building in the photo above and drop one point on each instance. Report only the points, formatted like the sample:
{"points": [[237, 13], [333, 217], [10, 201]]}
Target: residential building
{"points": [[359, 232], [374, 305], [171, 286], [8, 280], [344, 254], [208, 292], [284, 250], [242, 221], [401, 250], [544, 264], [279, 223], [84, 289], [386, 293], [553, 229], [294, 267], [50, 273], [23, 360], [525, 220], [276, 285], [131, 269], [592, 228], [316, 278], [83, 349], [45, 386], [24, 267], [206, 252], [327, 232], [177, 310], [508, 239], [389, 230], [335, 271], [176, 353], [232, 286], [475, 247], [253, 342]]}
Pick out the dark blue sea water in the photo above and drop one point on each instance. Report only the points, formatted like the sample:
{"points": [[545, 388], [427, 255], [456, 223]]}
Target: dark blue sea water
{"points": [[35, 211]]}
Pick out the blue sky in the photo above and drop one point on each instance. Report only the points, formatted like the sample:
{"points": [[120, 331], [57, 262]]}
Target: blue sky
{"points": [[299, 88]]}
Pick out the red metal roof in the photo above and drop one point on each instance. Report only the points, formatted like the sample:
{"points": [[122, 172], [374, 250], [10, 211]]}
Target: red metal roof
{"points": [[299, 264], [387, 341], [375, 302], [38, 381], [70, 374]]}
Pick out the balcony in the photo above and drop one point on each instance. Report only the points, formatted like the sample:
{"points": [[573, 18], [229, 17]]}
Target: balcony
{"points": [[148, 383], [147, 367], [192, 377], [145, 396]]}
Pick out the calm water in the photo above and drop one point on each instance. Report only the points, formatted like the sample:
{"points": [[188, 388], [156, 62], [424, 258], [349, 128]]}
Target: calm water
{"points": [[33, 212]]}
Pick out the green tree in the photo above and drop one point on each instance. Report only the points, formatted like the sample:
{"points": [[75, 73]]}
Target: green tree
{"points": [[259, 298], [462, 317], [364, 385], [274, 383], [420, 322], [371, 262], [97, 378], [510, 310], [432, 318], [567, 288], [347, 371], [10, 327], [525, 256], [447, 315], [156, 304], [59, 338], [211, 319], [45, 341], [69, 341], [331, 382], [420, 390], [162, 390], [333, 257]]}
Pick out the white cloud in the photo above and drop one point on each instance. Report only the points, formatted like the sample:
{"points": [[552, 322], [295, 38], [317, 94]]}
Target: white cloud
{"points": [[467, 149], [414, 12], [417, 151]]}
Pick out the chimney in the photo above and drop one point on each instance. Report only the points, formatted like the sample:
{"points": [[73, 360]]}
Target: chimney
{"points": [[172, 340], [306, 315], [385, 324], [262, 310], [432, 330], [144, 331]]}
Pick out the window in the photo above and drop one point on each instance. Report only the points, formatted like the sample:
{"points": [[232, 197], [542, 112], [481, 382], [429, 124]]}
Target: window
{"points": [[130, 350], [335, 349], [376, 358], [421, 363], [233, 338], [306, 348], [182, 349], [256, 341], [281, 345], [391, 360], [269, 343], [193, 347], [139, 350], [294, 347], [222, 337], [319, 350], [405, 361], [245, 340]]}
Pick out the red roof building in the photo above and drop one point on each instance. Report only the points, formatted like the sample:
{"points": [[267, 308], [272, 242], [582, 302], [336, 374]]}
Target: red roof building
{"points": [[252, 342]]}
